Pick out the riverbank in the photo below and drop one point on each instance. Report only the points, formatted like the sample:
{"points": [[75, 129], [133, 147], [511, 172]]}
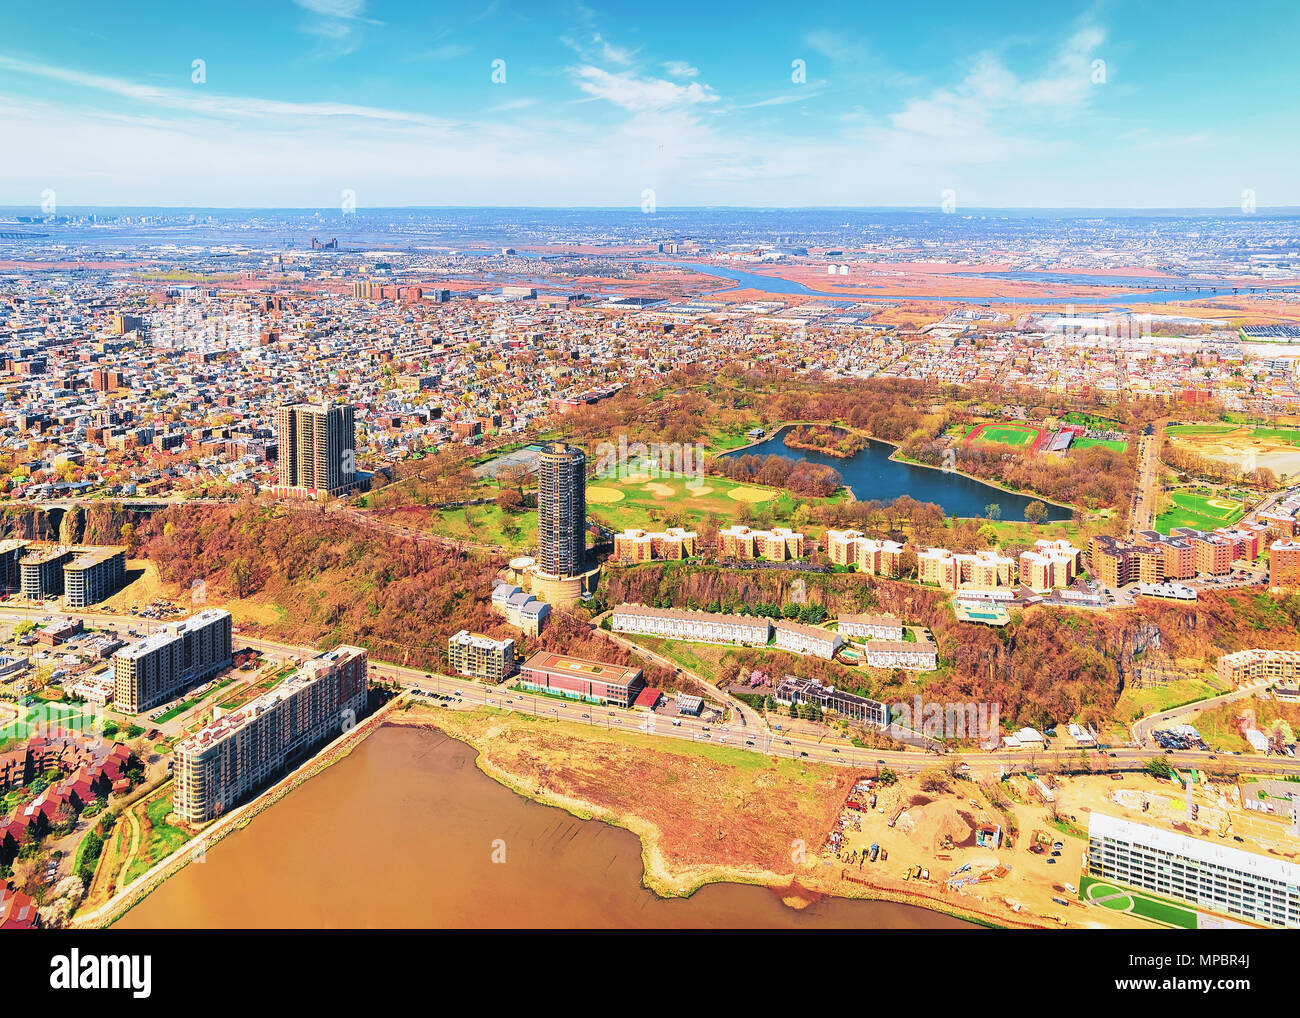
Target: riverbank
{"points": [[195, 849], [684, 850]]}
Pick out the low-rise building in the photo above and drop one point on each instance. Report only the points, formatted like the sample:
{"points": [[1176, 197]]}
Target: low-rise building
{"points": [[871, 627], [804, 639], [701, 627], [581, 679], [776, 545], [1254, 665], [636, 545], [920, 656]]}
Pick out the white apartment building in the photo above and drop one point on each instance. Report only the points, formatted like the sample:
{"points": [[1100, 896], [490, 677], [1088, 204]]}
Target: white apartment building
{"points": [[871, 627], [1217, 877], [221, 765], [702, 627], [803, 639]]}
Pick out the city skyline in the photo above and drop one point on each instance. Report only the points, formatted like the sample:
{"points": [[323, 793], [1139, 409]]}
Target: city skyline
{"points": [[570, 106]]}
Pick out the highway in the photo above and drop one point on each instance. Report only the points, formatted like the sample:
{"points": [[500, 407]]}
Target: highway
{"points": [[751, 736]]}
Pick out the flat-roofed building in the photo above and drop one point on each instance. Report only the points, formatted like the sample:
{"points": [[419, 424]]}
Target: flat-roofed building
{"points": [[804, 639], [1245, 666], [12, 550], [92, 575], [702, 627], [871, 627], [873, 557], [316, 449], [794, 690], [481, 657], [41, 572], [636, 545], [241, 752], [1284, 565], [938, 566], [1217, 877], [779, 544], [581, 679], [1049, 565], [157, 668]]}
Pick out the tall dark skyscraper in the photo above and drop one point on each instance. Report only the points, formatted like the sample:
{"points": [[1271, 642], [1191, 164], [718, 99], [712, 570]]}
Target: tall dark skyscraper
{"points": [[562, 510], [317, 447]]}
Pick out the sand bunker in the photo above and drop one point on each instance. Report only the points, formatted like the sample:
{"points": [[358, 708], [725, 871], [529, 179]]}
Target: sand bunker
{"points": [[699, 492], [752, 494], [661, 490], [604, 496]]}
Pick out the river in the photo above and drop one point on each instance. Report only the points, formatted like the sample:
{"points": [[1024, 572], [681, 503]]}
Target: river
{"points": [[873, 475], [400, 833]]}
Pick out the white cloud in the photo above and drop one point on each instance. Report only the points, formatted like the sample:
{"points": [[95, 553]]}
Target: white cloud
{"points": [[681, 69], [641, 94]]}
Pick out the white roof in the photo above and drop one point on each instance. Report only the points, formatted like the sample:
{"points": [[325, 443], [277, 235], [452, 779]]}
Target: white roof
{"points": [[1100, 826]]}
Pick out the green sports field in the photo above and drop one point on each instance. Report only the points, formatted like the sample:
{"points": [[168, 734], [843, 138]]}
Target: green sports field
{"points": [[1134, 902], [1007, 434], [1204, 512], [1105, 443]]}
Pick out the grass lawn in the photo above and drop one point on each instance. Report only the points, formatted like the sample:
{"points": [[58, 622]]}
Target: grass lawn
{"points": [[50, 716], [631, 501], [1154, 699], [1105, 443], [1138, 903], [487, 524], [1200, 429], [1204, 512], [158, 838]]}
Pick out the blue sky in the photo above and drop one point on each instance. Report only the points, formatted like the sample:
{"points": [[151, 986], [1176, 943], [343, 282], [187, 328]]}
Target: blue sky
{"points": [[1015, 104]]}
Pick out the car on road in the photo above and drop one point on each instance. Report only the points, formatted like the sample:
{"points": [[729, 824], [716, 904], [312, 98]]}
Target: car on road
{"points": [[677, 722], [803, 752], [587, 716], [749, 742], [835, 749]]}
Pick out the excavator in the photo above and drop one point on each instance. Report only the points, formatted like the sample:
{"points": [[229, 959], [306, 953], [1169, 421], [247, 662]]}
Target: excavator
{"points": [[1225, 825]]}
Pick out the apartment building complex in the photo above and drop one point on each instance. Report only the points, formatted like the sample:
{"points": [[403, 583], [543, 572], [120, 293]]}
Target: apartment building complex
{"points": [[635, 545], [702, 627], [872, 557], [562, 510], [157, 668], [223, 764], [41, 572], [871, 627], [1184, 553], [581, 679], [920, 656], [481, 657], [1253, 665], [983, 570], [1257, 888], [804, 639], [1284, 565], [92, 575], [317, 448], [779, 544], [1049, 565]]}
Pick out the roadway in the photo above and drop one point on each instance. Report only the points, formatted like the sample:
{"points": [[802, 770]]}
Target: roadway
{"points": [[751, 736]]}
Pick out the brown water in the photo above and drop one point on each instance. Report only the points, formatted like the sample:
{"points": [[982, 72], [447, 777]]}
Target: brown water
{"points": [[400, 834]]}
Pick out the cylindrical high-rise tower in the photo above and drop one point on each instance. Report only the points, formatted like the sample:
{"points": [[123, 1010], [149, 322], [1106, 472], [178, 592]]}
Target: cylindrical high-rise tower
{"points": [[562, 510]]}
